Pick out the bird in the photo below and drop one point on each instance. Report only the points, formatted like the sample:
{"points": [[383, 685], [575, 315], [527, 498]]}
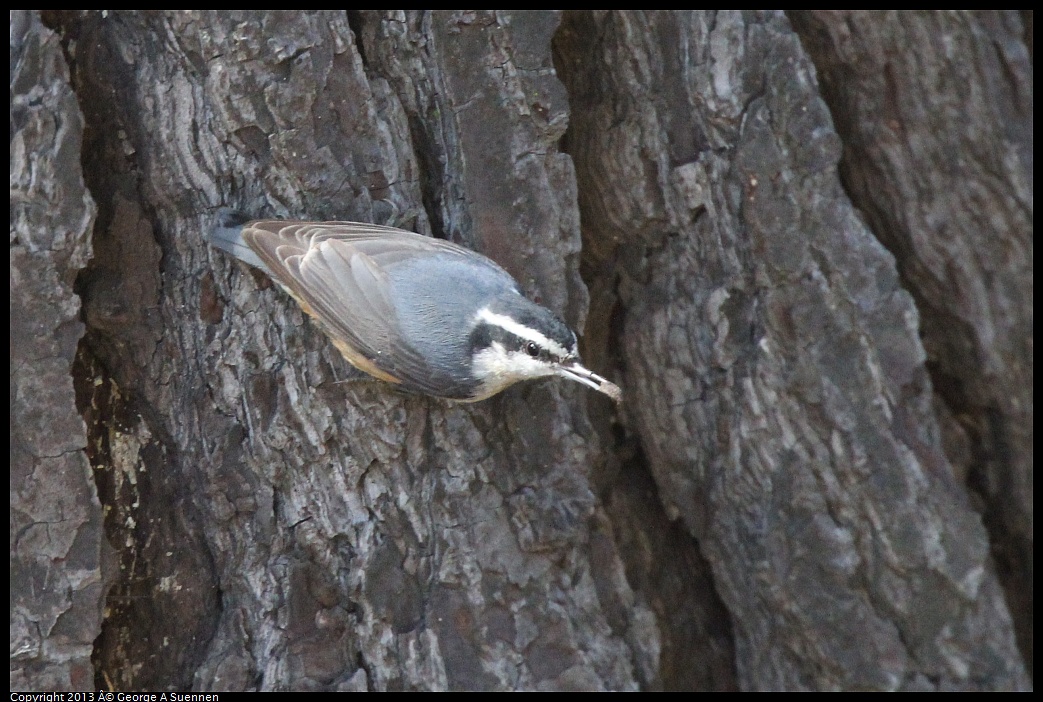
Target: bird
{"points": [[424, 314]]}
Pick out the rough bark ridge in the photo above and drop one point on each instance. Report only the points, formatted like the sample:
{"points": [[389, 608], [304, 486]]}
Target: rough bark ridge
{"points": [[773, 508], [945, 181], [775, 372], [56, 526]]}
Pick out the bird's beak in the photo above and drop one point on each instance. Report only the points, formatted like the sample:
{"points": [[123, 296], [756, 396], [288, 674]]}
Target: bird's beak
{"points": [[581, 375]]}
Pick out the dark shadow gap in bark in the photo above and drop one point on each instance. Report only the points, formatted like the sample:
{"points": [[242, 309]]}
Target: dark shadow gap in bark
{"points": [[355, 20], [161, 595], [693, 621]]}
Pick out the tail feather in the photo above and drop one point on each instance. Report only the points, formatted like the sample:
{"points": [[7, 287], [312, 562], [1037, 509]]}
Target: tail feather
{"points": [[227, 235]]}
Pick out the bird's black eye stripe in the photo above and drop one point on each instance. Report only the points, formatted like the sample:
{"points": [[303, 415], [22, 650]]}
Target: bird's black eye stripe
{"points": [[532, 348]]}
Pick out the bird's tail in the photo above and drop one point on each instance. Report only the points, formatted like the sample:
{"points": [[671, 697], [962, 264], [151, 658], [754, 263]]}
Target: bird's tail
{"points": [[227, 235]]}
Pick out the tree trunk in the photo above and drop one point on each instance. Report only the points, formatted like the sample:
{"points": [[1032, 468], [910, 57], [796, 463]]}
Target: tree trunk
{"points": [[821, 473]]}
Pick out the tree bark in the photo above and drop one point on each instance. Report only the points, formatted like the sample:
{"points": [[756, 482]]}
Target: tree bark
{"points": [[56, 520], [944, 179], [795, 494]]}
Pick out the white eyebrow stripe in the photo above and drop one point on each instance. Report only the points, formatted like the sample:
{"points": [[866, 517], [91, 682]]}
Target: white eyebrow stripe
{"points": [[520, 330]]}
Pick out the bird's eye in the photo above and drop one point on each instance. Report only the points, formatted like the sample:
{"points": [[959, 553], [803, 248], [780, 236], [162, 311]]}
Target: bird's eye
{"points": [[532, 349]]}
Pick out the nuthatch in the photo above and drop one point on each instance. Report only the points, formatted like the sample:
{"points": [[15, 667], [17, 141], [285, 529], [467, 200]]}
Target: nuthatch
{"points": [[425, 314]]}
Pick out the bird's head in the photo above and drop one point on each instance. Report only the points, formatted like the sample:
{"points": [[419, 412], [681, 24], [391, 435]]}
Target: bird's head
{"points": [[514, 339]]}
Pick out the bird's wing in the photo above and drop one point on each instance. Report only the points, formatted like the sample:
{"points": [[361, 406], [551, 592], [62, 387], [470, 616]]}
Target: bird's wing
{"points": [[337, 272]]}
